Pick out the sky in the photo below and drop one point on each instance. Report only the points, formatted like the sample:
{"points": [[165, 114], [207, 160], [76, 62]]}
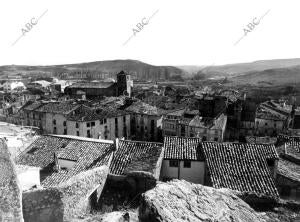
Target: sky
{"points": [[168, 32]]}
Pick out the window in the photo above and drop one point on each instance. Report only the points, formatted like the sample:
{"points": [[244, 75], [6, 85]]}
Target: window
{"points": [[124, 119], [32, 151], [125, 131], [101, 122], [266, 124], [54, 130], [65, 131], [274, 124], [104, 121], [270, 162], [182, 130], [92, 124], [173, 163], [33, 116], [77, 125], [187, 164], [54, 122], [116, 121], [192, 134], [204, 138], [216, 139], [65, 123], [87, 124], [77, 133]]}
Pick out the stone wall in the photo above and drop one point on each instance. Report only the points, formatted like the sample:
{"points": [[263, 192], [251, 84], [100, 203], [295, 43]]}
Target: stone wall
{"points": [[10, 190], [43, 205], [67, 201]]}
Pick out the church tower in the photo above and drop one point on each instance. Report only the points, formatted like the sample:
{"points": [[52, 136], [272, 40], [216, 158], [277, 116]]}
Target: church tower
{"points": [[124, 84]]}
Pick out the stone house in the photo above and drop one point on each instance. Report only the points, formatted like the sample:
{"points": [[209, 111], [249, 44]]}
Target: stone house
{"points": [[100, 123], [247, 168], [191, 124], [288, 177], [145, 121]]}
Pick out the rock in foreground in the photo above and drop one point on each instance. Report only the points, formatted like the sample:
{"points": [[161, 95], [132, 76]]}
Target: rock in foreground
{"points": [[183, 201]]}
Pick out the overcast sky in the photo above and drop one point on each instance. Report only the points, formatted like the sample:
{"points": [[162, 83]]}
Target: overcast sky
{"points": [[187, 32]]}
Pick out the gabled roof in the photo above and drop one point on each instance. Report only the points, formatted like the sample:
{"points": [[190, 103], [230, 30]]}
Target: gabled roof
{"points": [[84, 113], [144, 108], [241, 167], [94, 85], [86, 155], [261, 140], [136, 156], [209, 123], [263, 113], [293, 149], [288, 138], [289, 169], [58, 107], [32, 106], [183, 148]]}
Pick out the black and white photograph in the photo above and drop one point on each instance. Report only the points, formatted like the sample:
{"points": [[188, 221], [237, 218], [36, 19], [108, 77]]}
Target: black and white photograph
{"points": [[149, 111]]}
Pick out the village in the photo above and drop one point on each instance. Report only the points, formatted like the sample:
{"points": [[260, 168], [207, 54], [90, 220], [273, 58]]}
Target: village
{"points": [[103, 145]]}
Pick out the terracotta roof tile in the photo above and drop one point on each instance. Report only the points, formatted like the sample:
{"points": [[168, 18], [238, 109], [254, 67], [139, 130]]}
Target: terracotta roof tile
{"points": [[289, 169], [87, 154], [135, 156], [58, 107], [241, 167], [183, 148], [237, 166]]}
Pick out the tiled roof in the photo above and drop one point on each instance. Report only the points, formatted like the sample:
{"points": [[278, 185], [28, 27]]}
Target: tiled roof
{"points": [[263, 113], [289, 169], [144, 108], [84, 113], [261, 140], [32, 106], [58, 107], [183, 148], [94, 85], [178, 113], [135, 156], [288, 138], [293, 149], [241, 167], [207, 122], [87, 154], [277, 107]]}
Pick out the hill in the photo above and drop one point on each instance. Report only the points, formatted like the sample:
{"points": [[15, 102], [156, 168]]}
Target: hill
{"points": [[139, 70], [277, 76], [241, 68]]}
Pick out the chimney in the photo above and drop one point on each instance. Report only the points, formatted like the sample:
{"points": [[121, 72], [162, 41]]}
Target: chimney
{"points": [[116, 144], [56, 164]]}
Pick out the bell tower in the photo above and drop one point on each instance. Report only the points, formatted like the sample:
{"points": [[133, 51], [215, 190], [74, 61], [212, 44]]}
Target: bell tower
{"points": [[123, 84]]}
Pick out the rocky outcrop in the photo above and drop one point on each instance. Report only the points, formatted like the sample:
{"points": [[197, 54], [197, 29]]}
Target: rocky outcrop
{"points": [[183, 201], [10, 189], [70, 200]]}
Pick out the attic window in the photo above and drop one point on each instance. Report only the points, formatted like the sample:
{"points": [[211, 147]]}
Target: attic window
{"points": [[173, 163], [271, 162], [64, 145], [32, 151]]}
